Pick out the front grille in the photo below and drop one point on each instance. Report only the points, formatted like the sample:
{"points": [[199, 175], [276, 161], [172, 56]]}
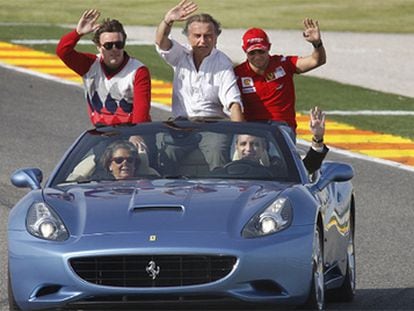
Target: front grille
{"points": [[173, 270]]}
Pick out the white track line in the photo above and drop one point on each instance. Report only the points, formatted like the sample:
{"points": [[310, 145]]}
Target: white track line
{"points": [[363, 157], [367, 112], [81, 42]]}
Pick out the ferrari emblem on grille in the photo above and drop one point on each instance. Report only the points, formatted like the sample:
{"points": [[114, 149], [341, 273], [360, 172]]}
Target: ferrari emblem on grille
{"points": [[152, 269]]}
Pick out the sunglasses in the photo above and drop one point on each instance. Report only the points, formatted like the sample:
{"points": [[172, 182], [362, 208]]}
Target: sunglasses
{"points": [[109, 45], [120, 160]]}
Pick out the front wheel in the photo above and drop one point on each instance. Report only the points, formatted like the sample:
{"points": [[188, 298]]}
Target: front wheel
{"points": [[346, 292], [12, 303], [316, 299]]}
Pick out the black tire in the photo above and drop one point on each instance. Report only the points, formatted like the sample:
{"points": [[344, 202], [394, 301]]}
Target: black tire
{"points": [[12, 303], [316, 299], [346, 292]]}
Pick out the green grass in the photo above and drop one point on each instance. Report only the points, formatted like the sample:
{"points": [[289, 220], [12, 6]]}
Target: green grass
{"points": [[395, 125], [330, 95], [12, 32], [337, 15], [370, 15]]}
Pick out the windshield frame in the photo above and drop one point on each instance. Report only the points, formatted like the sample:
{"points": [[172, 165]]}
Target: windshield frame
{"points": [[80, 148]]}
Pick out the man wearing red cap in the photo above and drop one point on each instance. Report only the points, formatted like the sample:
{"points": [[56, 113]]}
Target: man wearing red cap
{"points": [[266, 81], [267, 88]]}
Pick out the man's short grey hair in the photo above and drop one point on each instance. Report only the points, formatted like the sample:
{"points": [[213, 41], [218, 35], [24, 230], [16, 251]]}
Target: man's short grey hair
{"points": [[202, 18]]}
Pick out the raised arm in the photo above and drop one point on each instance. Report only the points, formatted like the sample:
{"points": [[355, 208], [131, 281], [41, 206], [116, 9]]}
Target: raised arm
{"points": [[87, 22], [317, 126], [317, 153], [78, 61], [312, 34], [178, 13]]}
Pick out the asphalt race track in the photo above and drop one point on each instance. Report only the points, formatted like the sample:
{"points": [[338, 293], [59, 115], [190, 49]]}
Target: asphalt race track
{"points": [[40, 119]]}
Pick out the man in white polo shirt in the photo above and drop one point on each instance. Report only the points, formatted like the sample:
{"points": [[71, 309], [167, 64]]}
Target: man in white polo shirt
{"points": [[204, 84]]}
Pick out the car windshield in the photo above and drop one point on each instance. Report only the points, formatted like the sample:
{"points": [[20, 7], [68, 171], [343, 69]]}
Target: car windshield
{"points": [[178, 150]]}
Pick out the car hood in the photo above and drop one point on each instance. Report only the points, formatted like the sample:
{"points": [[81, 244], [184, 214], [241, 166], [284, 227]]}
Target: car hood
{"points": [[161, 205]]}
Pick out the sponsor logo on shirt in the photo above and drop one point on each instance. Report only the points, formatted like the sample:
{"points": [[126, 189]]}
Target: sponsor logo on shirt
{"points": [[248, 90], [280, 72], [247, 85], [270, 76], [247, 82]]}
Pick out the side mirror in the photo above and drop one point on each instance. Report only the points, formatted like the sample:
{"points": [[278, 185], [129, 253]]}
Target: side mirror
{"points": [[27, 178], [333, 172]]}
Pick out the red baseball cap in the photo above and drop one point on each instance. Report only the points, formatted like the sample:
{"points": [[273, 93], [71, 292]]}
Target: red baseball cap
{"points": [[255, 39]]}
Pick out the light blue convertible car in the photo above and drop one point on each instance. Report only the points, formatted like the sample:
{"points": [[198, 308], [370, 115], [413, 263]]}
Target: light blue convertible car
{"points": [[182, 212]]}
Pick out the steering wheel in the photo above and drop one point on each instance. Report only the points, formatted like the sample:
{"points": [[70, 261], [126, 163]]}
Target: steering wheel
{"points": [[247, 168]]}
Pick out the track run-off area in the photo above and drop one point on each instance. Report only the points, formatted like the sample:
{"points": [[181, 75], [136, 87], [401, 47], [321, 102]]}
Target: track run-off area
{"points": [[389, 149]]}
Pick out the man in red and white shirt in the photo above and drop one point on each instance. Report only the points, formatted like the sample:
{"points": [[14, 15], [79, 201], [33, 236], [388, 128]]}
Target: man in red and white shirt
{"points": [[117, 86], [266, 81], [267, 88]]}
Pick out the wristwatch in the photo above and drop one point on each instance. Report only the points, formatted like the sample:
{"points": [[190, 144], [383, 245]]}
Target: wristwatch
{"points": [[317, 45], [318, 141]]}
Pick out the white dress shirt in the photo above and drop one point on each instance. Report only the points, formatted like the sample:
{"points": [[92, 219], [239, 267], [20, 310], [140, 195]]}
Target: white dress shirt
{"points": [[207, 92]]}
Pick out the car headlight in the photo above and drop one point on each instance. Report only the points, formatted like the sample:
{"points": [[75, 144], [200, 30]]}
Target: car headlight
{"points": [[276, 217], [44, 223]]}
